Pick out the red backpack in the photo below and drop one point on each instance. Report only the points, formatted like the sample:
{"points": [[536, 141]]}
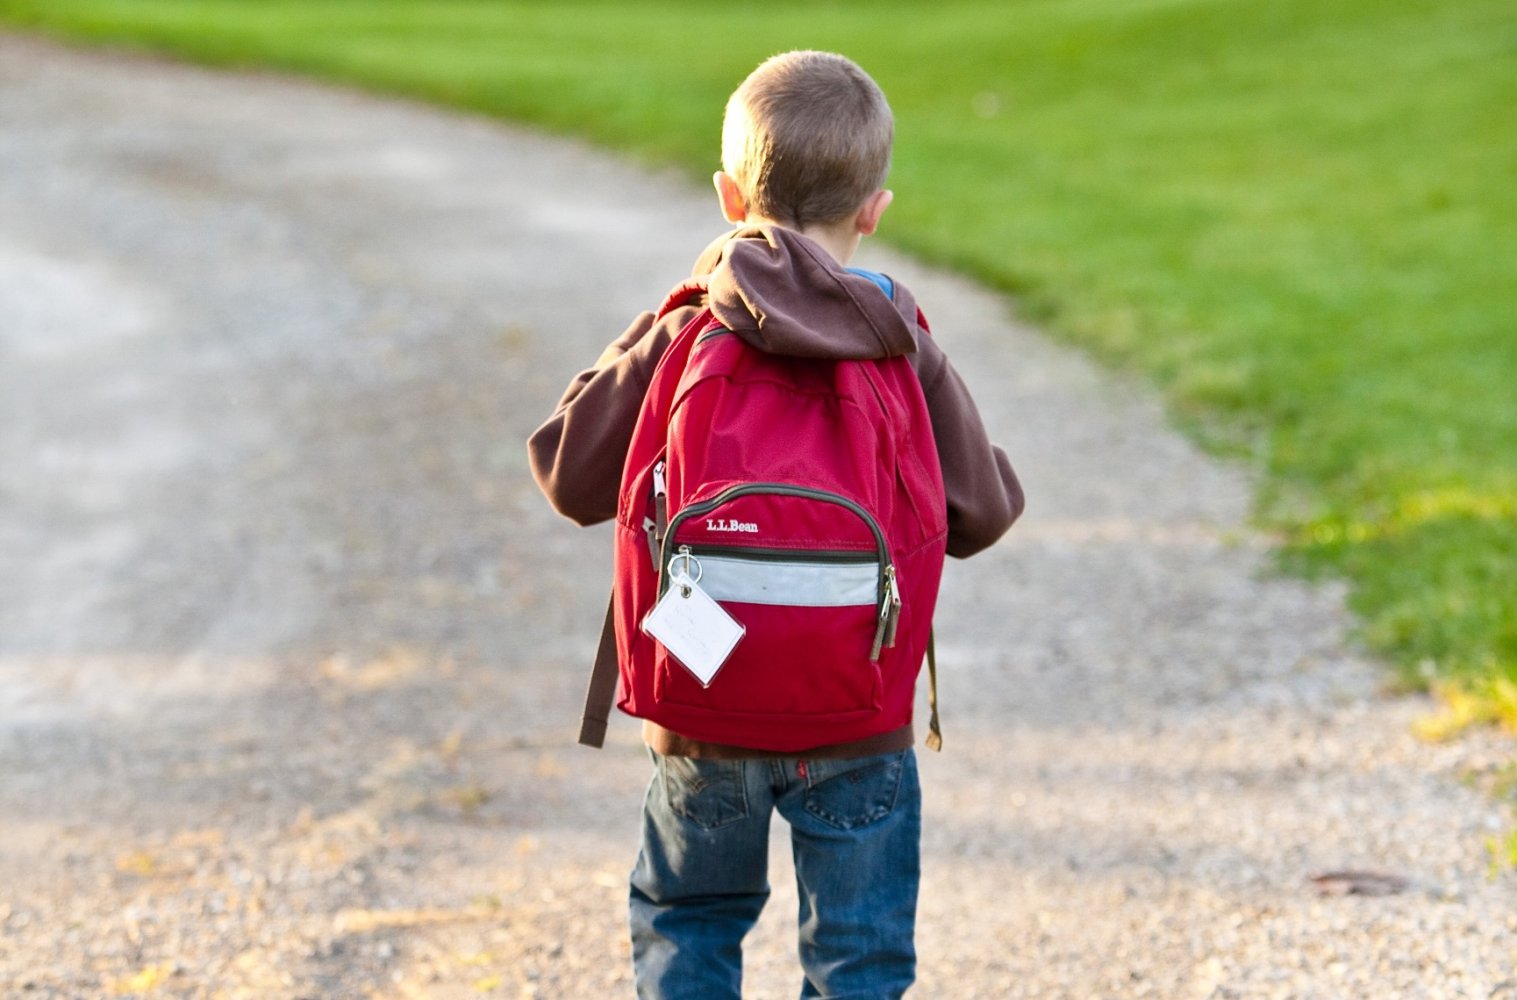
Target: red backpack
{"points": [[806, 498]]}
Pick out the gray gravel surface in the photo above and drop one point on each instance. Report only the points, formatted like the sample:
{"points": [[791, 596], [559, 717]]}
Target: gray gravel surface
{"points": [[291, 650]]}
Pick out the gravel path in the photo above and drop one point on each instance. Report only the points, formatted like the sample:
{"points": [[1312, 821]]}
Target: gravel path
{"points": [[291, 650]]}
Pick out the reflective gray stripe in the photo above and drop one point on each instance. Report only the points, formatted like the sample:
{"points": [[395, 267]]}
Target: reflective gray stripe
{"points": [[800, 584]]}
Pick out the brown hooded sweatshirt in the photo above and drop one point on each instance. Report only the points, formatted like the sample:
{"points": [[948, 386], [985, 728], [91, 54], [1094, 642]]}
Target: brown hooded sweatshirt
{"points": [[783, 294]]}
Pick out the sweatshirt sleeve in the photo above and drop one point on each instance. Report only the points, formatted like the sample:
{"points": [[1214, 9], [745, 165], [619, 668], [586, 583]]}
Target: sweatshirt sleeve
{"points": [[578, 453], [984, 495]]}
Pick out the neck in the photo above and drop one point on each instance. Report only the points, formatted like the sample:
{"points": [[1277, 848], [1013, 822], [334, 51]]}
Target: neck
{"points": [[841, 245], [840, 242]]}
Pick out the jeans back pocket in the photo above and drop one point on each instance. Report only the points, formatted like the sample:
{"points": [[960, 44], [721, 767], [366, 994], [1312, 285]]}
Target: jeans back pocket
{"points": [[852, 793], [708, 793]]}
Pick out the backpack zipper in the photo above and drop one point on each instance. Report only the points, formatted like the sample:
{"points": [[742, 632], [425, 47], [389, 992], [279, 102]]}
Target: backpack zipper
{"points": [[783, 555]]}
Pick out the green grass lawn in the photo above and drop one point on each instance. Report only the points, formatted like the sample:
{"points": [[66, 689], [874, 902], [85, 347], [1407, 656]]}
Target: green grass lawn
{"points": [[1298, 218]]}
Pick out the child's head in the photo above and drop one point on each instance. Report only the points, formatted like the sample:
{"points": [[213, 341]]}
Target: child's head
{"points": [[806, 140]]}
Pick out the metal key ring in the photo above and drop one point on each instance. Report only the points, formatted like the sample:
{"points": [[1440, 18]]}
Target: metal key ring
{"points": [[690, 561]]}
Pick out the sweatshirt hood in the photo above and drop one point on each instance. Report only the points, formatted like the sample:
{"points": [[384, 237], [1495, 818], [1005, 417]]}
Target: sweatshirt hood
{"points": [[784, 294]]}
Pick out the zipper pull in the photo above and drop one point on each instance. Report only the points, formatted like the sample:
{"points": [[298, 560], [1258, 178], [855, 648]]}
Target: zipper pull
{"points": [[660, 501], [890, 606], [660, 509], [658, 524], [653, 544]]}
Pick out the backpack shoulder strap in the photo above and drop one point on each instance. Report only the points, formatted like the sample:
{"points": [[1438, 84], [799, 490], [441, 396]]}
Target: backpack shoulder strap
{"points": [[602, 690], [682, 294]]}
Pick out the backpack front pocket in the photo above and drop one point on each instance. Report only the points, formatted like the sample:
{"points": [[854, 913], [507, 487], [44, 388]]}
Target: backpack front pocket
{"points": [[807, 575]]}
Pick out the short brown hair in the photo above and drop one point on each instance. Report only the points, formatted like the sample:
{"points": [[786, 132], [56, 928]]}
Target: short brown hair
{"points": [[807, 138]]}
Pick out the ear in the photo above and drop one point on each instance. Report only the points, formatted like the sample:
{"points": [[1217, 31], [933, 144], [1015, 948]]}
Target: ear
{"points": [[734, 207], [868, 218]]}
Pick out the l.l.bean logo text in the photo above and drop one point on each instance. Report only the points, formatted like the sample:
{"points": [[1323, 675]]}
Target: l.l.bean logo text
{"points": [[729, 525]]}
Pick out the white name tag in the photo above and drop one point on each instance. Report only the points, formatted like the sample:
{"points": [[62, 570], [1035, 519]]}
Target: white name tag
{"points": [[695, 629]]}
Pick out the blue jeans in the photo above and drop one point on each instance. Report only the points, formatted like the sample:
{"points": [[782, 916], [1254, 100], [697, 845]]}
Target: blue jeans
{"points": [[702, 874]]}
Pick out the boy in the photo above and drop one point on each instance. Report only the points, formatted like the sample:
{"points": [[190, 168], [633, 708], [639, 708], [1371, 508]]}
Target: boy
{"points": [[805, 150]]}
